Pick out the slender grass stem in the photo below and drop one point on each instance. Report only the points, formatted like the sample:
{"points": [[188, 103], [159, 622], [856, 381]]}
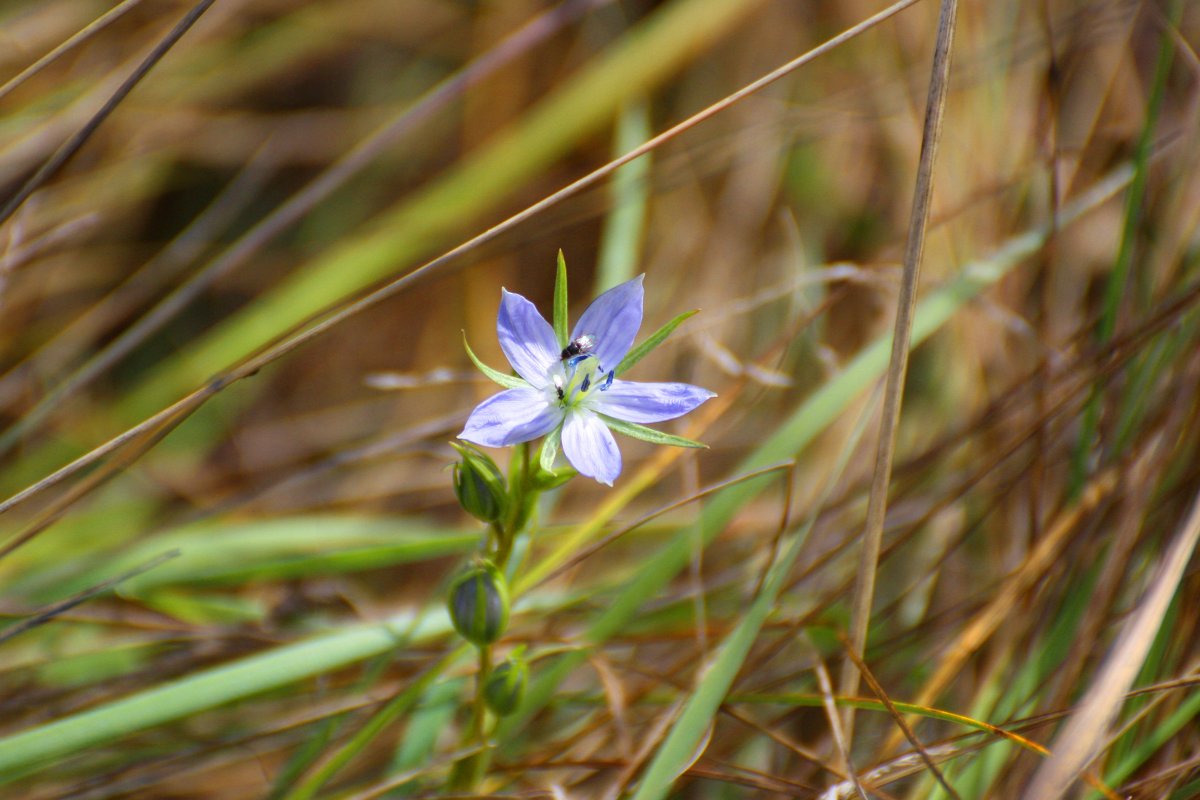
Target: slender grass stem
{"points": [[864, 591]]}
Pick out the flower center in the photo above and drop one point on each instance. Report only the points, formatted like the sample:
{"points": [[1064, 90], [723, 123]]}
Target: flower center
{"points": [[576, 376]]}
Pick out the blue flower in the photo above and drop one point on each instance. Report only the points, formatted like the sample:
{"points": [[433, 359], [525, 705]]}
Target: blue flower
{"points": [[575, 387]]}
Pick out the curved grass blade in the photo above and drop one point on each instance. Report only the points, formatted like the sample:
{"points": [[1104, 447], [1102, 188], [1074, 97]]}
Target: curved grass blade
{"points": [[646, 56], [34, 749], [1117, 286], [622, 236], [678, 750]]}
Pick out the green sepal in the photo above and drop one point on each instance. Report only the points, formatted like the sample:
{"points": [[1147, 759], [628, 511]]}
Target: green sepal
{"points": [[545, 481], [545, 476], [479, 484], [507, 381], [549, 451], [561, 332], [654, 340], [635, 431]]}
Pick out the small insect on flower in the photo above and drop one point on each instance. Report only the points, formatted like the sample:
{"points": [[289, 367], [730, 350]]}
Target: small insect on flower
{"points": [[570, 386], [579, 346]]}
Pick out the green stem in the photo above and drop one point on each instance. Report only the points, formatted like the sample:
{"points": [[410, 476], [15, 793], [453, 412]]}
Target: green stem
{"points": [[474, 767], [479, 723], [469, 772]]}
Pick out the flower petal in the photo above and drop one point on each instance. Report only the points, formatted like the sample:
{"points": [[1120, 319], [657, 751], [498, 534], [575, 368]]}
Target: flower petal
{"points": [[590, 447], [526, 338], [648, 402], [613, 318], [511, 417]]}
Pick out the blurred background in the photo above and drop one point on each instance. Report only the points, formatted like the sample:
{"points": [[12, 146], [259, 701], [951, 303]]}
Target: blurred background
{"points": [[284, 159]]}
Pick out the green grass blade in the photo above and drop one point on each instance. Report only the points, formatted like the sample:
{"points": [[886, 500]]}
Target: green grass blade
{"points": [[642, 59], [434, 714], [678, 749], [365, 735], [621, 240], [36, 748], [1185, 714], [1118, 280], [23, 752], [231, 553]]}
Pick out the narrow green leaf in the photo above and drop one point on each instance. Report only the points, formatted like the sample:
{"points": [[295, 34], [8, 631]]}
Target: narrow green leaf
{"points": [[364, 736], [561, 331], [31, 748], [426, 724], [35, 748], [403, 234], [1117, 287], [635, 431], [507, 381], [621, 239], [678, 749], [655, 339], [1185, 714]]}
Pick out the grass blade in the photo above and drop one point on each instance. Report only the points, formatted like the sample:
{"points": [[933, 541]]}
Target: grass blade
{"points": [[881, 478], [621, 240], [678, 750]]}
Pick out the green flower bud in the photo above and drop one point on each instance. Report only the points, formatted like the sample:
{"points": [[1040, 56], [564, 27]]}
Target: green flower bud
{"points": [[478, 602], [505, 687], [479, 484]]}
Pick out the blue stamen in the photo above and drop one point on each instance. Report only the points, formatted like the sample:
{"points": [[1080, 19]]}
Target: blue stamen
{"points": [[587, 381], [574, 361], [608, 381]]}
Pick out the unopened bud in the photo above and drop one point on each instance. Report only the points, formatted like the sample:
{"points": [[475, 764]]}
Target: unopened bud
{"points": [[478, 602], [505, 687], [479, 484]]}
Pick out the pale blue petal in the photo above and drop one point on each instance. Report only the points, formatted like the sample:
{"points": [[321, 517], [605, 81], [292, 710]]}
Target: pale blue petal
{"points": [[648, 402], [589, 446], [511, 417], [613, 318], [526, 339]]}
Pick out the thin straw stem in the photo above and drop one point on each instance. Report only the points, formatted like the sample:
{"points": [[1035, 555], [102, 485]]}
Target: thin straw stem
{"points": [[864, 591]]}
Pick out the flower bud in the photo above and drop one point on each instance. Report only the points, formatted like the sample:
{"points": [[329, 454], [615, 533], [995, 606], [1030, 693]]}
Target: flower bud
{"points": [[479, 484], [505, 687], [478, 602]]}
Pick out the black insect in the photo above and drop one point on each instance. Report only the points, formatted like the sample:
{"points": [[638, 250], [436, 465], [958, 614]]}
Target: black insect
{"points": [[580, 346]]}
